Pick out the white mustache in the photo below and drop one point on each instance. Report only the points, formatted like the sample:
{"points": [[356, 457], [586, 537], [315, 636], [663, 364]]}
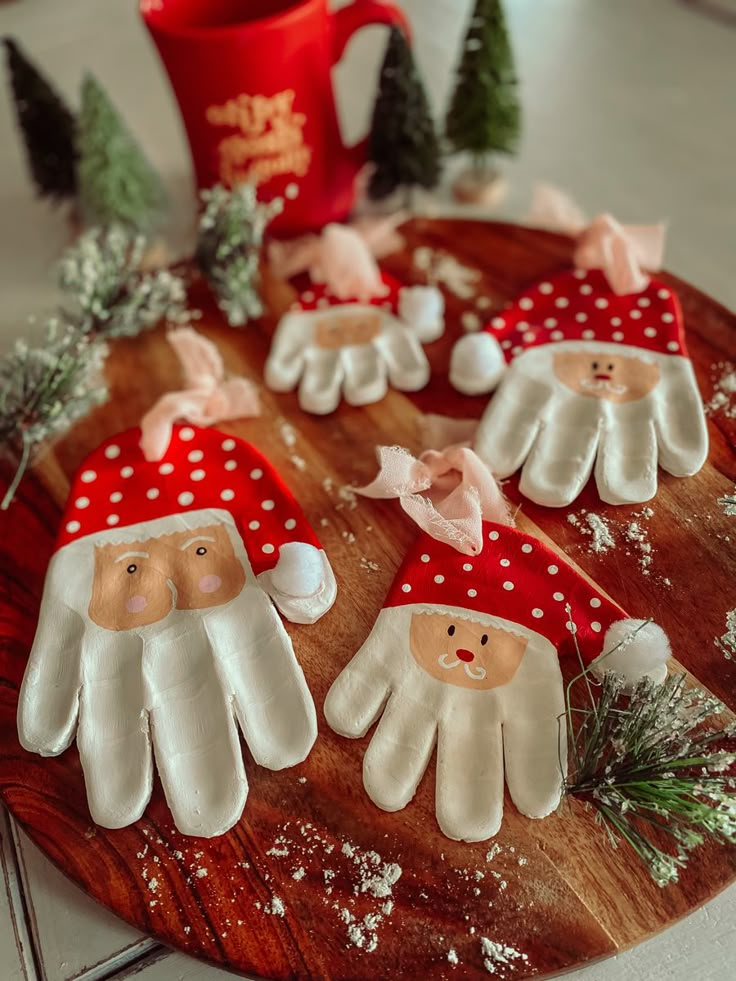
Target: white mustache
{"points": [[477, 673], [601, 385]]}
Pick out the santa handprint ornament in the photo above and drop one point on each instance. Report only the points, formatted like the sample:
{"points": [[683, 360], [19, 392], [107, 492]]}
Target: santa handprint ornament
{"points": [[327, 346], [464, 656], [157, 634], [589, 381]]}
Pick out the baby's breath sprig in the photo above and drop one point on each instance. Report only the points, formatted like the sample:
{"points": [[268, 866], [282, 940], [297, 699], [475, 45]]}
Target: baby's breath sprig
{"points": [[653, 767], [228, 251], [43, 390], [112, 296]]}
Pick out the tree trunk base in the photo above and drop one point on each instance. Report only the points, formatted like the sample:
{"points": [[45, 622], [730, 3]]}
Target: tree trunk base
{"points": [[486, 187]]}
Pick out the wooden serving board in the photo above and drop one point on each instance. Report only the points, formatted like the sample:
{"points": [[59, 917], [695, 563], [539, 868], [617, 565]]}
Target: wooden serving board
{"points": [[553, 893]]}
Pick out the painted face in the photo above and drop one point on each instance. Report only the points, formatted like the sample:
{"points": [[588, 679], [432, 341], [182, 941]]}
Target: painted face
{"points": [[341, 330], [139, 583], [606, 376], [465, 652]]}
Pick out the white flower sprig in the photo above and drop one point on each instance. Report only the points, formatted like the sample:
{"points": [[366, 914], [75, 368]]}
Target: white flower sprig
{"points": [[653, 767], [228, 252], [43, 390], [111, 295]]}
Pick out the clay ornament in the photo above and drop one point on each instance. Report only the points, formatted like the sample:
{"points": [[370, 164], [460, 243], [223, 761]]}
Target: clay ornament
{"points": [[329, 346], [158, 635], [589, 382]]}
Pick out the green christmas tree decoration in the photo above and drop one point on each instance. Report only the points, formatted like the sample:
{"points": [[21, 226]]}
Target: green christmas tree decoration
{"points": [[46, 125], [484, 115], [403, 144], [117, 184]]}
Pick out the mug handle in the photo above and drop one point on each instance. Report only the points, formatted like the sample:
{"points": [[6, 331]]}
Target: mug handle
{"points": [[346, 21]]}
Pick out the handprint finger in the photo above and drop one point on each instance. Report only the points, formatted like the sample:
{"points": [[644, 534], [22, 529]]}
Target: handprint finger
{"points": [[319, 391], [399, 752], [510, 424], [113, 736], [681, 429], [259, 670], [359, 692], [408, 368], [561, 459], [286, 358], [469, 794], [626, 465], [535, 756], [365, 375], [194, 733]]}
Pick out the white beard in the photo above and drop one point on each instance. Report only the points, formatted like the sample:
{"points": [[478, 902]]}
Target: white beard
{"points": [[601, 386], [477, 673]]}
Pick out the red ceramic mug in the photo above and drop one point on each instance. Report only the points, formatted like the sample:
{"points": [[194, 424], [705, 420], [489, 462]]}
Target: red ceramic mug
{"points": [[252, 78]]}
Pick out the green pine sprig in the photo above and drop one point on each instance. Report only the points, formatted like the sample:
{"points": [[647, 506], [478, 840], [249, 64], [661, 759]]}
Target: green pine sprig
{"points": [[228, 251], [653, 767], [43, 390], [101, 274]]}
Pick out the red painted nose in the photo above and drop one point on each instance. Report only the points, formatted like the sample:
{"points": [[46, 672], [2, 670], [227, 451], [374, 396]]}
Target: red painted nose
{"points": [[603, 377], [464, 655]]}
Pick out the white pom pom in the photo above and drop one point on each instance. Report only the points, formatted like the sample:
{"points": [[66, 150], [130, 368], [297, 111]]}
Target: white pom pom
{"points": [[637, 648], [423, 308], [299, 570], [476, 364]]}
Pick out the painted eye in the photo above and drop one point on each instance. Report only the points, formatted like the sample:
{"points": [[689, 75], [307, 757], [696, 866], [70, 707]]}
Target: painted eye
{"points": [[595, 366], [451, 629], [484, 640], [610, 367], [201, 550], [132, 568]]}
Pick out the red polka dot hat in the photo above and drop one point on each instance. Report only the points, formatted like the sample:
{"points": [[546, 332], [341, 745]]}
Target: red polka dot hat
{"points": [[319, 297], [202, 468], [580, 306], [515, 577]]}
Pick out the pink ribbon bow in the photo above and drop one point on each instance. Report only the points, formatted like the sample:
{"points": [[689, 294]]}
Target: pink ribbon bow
{"points": [[623, 252], [208, 397], [461, 493]]}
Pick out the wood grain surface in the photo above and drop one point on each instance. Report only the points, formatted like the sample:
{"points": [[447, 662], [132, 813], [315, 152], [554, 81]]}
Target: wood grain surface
{"points": [[553, 890]]}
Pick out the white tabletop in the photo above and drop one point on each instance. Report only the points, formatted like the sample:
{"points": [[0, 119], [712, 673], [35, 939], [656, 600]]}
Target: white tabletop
{"points": [[628, 105]]}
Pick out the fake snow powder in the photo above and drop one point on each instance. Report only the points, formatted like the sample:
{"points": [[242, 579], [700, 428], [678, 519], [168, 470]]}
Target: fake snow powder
{"points": [[724, 390], [443, 268], [452, 956], [288, 433], [596, 527], [602, 535], [275, 907], [728, 503], [370, 877], [497, 957], [726, 643]]}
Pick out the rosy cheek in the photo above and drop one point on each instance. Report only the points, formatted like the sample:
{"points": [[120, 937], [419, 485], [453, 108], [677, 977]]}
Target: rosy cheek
{"points": [[136, 604], [210, 584]]}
